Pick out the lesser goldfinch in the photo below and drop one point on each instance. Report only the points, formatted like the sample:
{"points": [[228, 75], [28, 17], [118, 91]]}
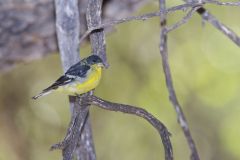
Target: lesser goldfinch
{"points": [[80, 78]]}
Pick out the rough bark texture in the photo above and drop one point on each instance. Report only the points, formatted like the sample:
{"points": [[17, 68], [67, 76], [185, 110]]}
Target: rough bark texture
{"points": [[27, 32], [68, 30], [27, 28]]}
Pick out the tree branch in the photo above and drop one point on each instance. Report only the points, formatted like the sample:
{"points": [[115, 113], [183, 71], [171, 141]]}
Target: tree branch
{"points": [[25, 37], [97, 39], [184, 20], [68, 27], [162, 130], [67, 24], [207, 16], [86, 99], [222, 3], [76, 122], [172, 95], [141, 17]]}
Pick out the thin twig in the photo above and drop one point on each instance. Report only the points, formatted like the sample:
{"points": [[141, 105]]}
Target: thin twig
{"points": [[162, 130], [183, 20], [172, 95], [141, 17], [207, 16], [222, 3]]}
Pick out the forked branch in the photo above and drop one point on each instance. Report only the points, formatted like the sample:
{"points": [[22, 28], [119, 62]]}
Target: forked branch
{"points": [[172, 94], [97, 39], [90, 99], [140, 17]]}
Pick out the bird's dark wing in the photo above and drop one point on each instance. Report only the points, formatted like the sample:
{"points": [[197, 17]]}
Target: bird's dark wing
{"points": [[79, 70], [63, 80]]}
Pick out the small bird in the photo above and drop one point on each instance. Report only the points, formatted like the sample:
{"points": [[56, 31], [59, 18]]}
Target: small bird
{"points": [[80, 78]]}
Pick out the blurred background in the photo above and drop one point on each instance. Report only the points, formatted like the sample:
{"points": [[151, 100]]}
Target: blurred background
{"points": [[206, 72]]}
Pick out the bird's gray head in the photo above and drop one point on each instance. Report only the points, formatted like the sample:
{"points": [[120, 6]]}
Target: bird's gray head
{"points": [[94, 59]]}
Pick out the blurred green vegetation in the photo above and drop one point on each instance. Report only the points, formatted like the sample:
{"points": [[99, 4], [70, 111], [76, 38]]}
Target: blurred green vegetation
{"points": [[206, 74]]}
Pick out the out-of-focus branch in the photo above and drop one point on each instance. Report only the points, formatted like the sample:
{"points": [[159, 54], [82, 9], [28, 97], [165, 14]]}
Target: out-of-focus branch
{"points": [[172, 95], [207, 16], [27, 32], [140, 17], [162, 130], [194, 5], [184, 20], [27, 28], [222, 3], [67, 25]]}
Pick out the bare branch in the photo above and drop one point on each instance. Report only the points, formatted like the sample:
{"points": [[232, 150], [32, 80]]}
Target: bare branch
{"points": [[85, 139], [93, 14], [29, 34], [67, 24], [172, 95], [183, 20], [28, 31], [75, 128], [207, 16], [86, 99], [131, 18], [222, 3], [162, 130]]}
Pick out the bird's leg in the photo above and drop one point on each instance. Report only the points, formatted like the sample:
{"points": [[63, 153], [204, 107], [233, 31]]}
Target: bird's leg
{"points": [[82, 98]]}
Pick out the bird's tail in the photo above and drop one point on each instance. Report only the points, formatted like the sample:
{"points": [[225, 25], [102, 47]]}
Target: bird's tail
{"points": [[43, 93]]}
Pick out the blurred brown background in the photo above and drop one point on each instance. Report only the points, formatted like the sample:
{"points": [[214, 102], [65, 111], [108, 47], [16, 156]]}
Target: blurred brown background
{"points": [[206, 72]]}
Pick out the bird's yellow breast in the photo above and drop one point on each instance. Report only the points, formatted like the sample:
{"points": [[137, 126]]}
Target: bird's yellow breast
{"points": [[86, 84]]}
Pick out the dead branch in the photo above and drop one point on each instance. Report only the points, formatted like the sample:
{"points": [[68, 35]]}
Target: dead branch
{"points": [[140, 17], [162, 130], [184, 20], [86, 99], [172, 94], [97, 39], [27, 31], [207, 16], [79, 135], [222, 3], [68, 28]]}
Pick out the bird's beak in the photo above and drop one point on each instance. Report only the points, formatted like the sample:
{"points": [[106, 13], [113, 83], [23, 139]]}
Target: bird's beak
{"points": [[100, 65]]}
